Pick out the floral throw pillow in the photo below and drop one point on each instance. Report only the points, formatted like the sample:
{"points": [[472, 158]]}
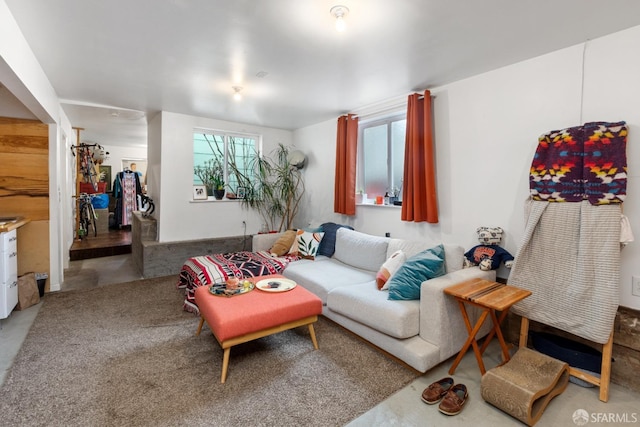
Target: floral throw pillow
{"points": [[308, 243]]}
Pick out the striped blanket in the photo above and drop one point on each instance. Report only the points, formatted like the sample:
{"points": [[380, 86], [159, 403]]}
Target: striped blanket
{"points": [[570, 260], [217, 268]]}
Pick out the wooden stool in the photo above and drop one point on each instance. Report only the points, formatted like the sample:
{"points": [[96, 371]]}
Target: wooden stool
{"points": [[491, 297]]}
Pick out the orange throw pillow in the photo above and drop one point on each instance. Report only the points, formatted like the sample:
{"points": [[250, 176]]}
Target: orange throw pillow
{"points": [[283, 244]]}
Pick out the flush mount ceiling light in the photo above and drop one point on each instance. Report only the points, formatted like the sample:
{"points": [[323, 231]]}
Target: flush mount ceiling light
{"points": [[236, 92], [339, 12]]}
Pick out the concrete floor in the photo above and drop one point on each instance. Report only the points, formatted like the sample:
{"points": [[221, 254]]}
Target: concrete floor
{"points": [[404, 408]]}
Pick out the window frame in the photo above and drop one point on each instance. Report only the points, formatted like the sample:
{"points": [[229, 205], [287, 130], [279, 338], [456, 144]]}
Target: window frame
{"points": [[387, 119], [226, 135]]}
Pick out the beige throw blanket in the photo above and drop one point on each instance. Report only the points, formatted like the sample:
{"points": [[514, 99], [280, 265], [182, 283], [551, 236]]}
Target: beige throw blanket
{"points": [[570, 260]]}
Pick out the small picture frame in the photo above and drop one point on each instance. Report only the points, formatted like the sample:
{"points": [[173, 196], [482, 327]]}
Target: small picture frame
{"points": [[199, 192], [241, 193], [105, 176]]}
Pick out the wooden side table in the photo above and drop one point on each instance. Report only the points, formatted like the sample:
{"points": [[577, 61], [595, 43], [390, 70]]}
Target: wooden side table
{"points": [[490, 297]]}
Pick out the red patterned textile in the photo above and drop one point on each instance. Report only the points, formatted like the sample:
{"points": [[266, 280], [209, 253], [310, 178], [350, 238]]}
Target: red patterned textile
{"points": [[217, 268], [129, 197], [581, 163]]}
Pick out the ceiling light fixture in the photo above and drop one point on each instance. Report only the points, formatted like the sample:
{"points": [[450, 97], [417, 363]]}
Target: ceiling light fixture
{"points": [[339, 12], [237, 95]]}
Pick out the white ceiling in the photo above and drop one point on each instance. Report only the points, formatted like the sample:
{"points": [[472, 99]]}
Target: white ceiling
{"points": [[184, 56]]}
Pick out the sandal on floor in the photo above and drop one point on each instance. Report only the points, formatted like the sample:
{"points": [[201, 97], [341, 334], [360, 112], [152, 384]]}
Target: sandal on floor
{"points": [[436, 391]]}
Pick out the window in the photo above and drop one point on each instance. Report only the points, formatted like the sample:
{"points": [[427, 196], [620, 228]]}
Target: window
{"points": [[226, 150], [381, 155]]}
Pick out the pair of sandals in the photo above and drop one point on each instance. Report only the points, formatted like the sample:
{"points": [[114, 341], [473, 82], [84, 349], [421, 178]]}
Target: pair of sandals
{"points": [[451, 397]]}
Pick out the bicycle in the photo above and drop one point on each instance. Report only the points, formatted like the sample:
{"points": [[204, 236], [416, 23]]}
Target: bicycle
{"points": [[88, 216], [87, 164]]}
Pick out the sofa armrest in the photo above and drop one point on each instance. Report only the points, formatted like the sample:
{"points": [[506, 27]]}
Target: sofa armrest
{"points": [[441, 321], [264, 242]]}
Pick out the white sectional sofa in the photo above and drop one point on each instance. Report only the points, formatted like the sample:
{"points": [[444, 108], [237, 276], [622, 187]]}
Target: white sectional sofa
{"points": [[422, 333]]}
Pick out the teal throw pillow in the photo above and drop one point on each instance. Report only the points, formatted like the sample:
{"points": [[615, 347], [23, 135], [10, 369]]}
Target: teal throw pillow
{"points": [[405, 284]]}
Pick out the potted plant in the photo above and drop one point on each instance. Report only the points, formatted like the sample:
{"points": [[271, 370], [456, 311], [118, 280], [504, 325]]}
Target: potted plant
{"points": [[274, 189], [212, 176]]}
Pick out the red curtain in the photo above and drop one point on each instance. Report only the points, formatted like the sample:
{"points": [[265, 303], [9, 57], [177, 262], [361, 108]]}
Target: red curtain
{"points": [[419, 198], [346, 150]]}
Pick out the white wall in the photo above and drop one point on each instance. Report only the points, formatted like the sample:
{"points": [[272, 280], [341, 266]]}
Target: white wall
{"points": [[486, 133], [180, 218], [23, 76], [117, 153]]}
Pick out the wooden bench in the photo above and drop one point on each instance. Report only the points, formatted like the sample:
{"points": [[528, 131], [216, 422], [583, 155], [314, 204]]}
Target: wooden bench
{"points": [[255, 314]]}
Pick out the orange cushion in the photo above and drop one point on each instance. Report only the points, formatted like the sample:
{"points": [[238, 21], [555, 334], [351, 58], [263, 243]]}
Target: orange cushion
{"points": [[230, 317], [283, 244]]}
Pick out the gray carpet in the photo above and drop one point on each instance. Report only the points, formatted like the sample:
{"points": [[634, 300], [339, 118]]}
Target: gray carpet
{"points": [[127, 355]]}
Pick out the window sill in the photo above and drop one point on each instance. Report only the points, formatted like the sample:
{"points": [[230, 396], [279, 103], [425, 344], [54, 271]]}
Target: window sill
{"points": [[377, 206], [211, 199]]}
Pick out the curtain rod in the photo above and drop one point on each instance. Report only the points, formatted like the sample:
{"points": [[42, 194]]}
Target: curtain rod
{"points": [[386, 109]]}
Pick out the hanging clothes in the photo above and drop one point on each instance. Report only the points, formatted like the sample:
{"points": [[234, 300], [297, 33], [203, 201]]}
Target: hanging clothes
{"points": [[126, 188]]}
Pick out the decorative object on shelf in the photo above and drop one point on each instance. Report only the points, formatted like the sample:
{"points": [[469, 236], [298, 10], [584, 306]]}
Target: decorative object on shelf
{"points": [[218, 193], [211, 174], [199, 192]]}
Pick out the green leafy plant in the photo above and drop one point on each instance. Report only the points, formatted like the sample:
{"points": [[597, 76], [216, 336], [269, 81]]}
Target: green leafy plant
{"points": [[211, 174], [274, 188]]}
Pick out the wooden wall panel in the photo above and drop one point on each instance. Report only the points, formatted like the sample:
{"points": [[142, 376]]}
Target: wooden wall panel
{"points": [[33, 247], [24, 168], [24, 188]]}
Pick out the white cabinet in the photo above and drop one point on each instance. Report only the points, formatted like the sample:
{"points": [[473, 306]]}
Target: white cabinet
{"points": [[8, 272]]}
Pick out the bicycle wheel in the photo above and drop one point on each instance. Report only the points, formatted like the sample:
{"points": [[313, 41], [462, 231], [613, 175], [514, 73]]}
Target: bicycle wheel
{"points": [[92, 217], [84, 222], [89, 168]]}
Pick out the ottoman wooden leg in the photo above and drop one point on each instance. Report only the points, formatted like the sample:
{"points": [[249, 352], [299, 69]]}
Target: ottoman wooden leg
{"points": [[200, 326], [225, 364], [312, 332]]}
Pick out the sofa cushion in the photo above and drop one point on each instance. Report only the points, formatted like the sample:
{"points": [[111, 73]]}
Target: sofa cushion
{"points": [[307, 243], [405, 284], [365, 304], [328, 243], [360, 250], [283, 244], [324, 274], [389, 268], [454, 255]]}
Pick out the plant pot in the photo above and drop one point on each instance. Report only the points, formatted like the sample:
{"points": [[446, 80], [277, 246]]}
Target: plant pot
{"points": [[218, 194]]}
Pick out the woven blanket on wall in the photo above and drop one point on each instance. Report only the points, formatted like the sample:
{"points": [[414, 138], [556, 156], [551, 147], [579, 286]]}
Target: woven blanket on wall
{"points": [[581, 163], [570, 260], [217, 268]]}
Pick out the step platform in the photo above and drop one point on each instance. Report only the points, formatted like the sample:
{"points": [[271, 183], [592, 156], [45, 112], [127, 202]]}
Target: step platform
{"points": [[524, 386]]}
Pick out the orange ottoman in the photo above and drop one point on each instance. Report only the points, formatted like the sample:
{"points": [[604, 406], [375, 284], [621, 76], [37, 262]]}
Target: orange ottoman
{"points": [[255, 314]]}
